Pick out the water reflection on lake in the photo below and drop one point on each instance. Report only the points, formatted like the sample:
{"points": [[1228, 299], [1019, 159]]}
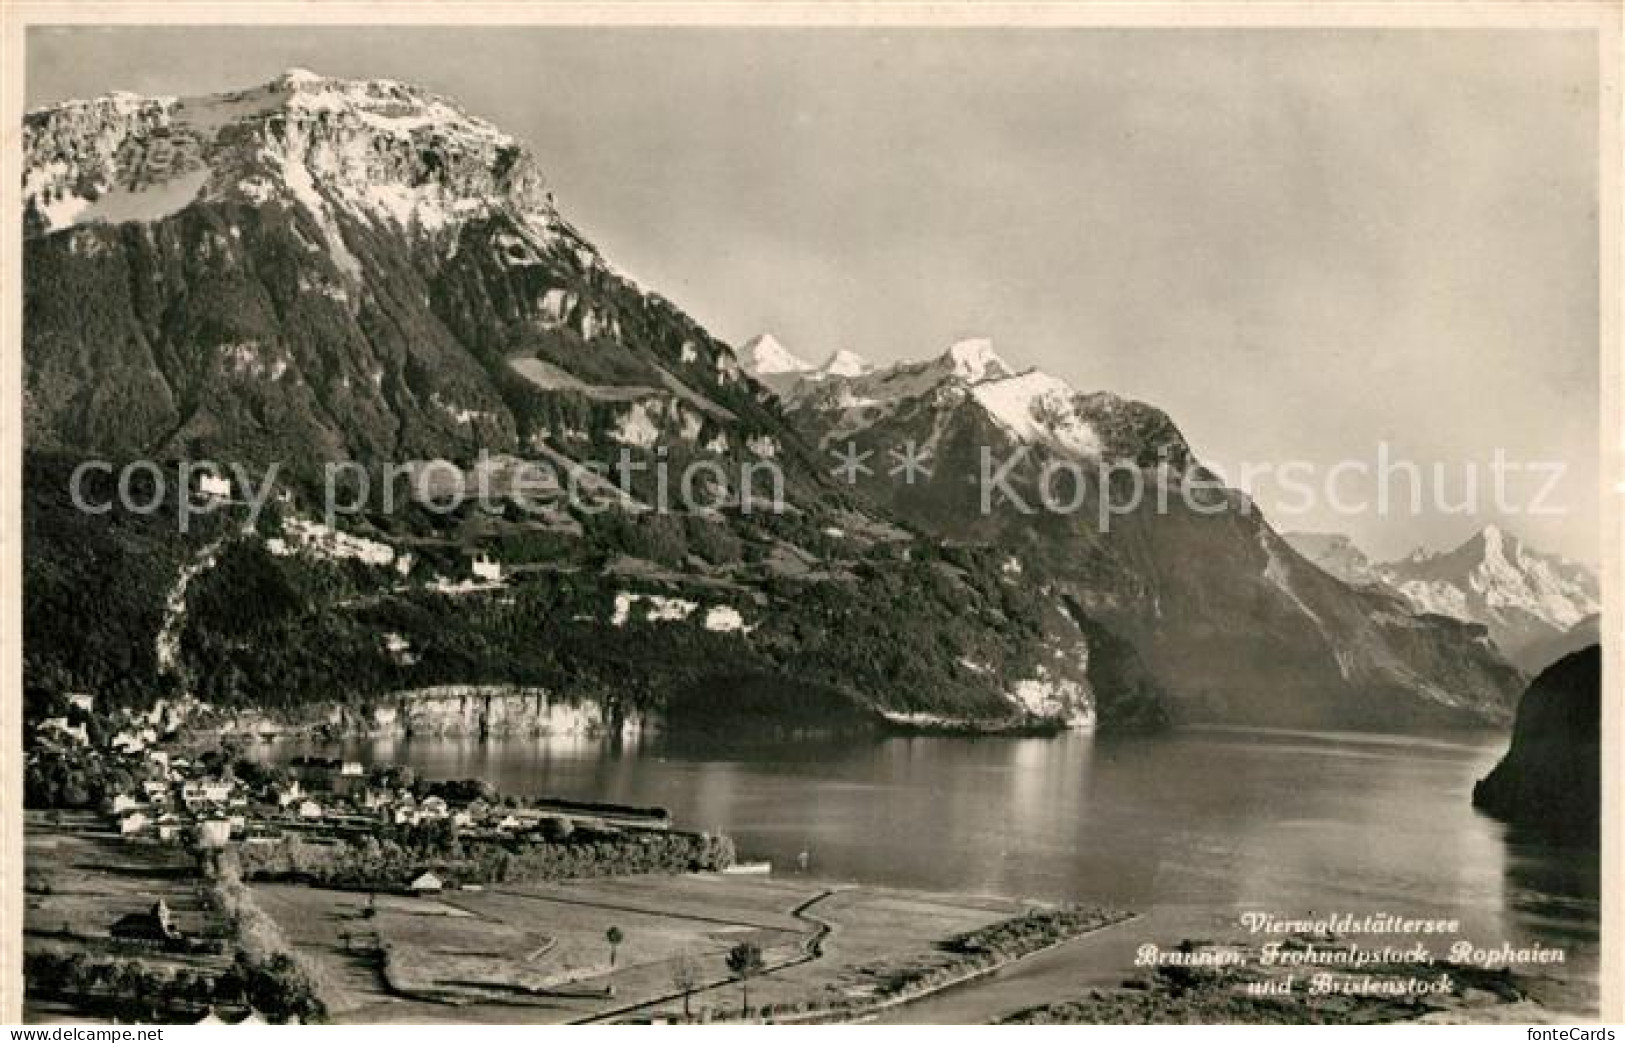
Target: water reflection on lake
{"points": [[1212, 821]]}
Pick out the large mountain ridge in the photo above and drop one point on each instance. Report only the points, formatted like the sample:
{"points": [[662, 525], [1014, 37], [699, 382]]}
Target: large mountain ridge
{"points": [[332, 268], [318, 269]]}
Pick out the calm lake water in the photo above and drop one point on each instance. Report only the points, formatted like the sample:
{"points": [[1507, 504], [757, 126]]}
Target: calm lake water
{"points": [[1195, 826]]}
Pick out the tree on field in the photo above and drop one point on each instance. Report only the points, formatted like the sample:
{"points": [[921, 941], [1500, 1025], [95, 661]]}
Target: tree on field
{"points": [[614, 936], [685, 975], [744, 962]]}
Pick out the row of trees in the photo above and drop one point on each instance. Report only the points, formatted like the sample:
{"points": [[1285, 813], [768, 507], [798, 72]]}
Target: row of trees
{"points": [[285, 983], [74, 777], [1035, 930], [131, 990], [388, 864], [744, 962]]}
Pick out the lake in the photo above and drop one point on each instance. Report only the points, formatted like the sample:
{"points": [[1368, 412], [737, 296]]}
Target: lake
{"points": [[1195, 826]]}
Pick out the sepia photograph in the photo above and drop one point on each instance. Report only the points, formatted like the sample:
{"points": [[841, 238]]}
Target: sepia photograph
{"points": [[995, 517]]}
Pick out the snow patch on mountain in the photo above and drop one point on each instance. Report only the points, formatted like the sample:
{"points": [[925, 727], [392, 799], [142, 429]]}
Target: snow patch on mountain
{"points": [[1032, 407], [772, 365], [385, 105], [1493, 576], [1512, 577], [1038, 408]]}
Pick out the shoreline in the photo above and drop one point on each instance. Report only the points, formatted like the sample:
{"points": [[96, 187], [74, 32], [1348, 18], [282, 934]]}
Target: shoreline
{"points": [[498, 711], [973, 976], [911, 992]]}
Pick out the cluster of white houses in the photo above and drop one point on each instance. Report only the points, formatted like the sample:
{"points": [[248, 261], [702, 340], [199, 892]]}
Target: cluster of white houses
{"points": [[216, 808], [220, 809], [213, 811], [177, 799], [334, 798]]}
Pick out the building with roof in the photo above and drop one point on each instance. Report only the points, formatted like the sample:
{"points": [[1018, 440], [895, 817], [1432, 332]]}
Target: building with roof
{"points": [[154, 925]]}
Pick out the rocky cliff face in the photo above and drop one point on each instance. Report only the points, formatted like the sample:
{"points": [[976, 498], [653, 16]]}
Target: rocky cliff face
{"points": [[376, 148], [477, 711], [1550, 780]]}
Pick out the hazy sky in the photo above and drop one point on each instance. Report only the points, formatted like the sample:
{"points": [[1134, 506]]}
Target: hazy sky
{"points": [[1300, 244]]}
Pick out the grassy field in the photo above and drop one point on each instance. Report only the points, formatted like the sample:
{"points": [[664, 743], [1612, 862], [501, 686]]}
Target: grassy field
{"points": [[80, 877], [876, 935], [538, 954], [533, 953]]}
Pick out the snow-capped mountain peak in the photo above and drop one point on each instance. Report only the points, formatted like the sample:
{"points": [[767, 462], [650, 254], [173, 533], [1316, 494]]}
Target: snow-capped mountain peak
{"points": [[974, 359], [844, 363], [1526, 598], [1511, 576], [763, 355], [297, 76], [1499, 544], [385, 105]]}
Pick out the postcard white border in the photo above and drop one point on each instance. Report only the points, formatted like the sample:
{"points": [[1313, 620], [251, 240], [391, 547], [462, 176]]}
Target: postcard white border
{"points": [[1602, 17]]}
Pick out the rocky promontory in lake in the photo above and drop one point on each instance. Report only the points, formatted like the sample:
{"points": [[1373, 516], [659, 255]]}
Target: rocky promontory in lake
{"points": [[1551, 778]]}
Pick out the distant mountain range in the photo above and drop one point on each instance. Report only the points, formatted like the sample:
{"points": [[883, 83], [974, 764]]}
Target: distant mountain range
{"points": [[317, 269], [776, 368], [1537, 607]]}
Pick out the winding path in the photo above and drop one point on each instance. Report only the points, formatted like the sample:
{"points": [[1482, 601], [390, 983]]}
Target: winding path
{"points": [[812, 947]]}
